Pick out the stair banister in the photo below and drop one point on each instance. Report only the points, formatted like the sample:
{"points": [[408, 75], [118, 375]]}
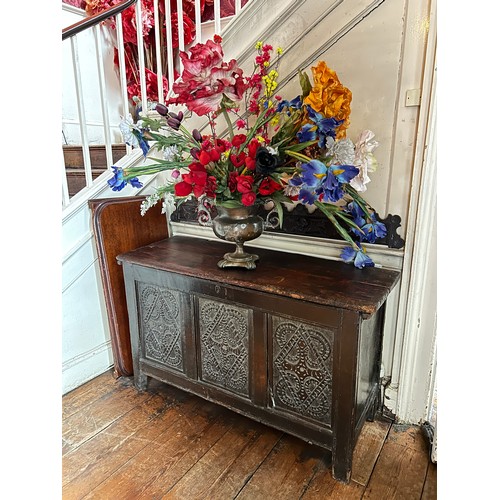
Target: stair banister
{"points": [[90, 21]]}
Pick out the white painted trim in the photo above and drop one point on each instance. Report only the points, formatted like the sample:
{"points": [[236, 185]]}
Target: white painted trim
{"points": [[305, 245], [84, 356], [422, 203]]}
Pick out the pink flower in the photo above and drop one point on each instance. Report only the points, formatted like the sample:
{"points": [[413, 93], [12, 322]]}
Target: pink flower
{"points": [[206, 78]]}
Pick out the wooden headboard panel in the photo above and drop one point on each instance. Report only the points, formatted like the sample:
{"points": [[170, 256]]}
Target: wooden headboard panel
{"points": [[119, 227]]}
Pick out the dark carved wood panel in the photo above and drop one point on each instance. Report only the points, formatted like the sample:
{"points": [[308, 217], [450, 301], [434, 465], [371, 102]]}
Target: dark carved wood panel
{"points": [[311, 279], [300, 221], [302, 368], [224, 339], [119, 227], [161, 325]]}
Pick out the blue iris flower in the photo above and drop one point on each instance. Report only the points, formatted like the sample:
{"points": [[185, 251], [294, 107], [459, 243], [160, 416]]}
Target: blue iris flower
{"points": [[142, 142], [373, 230], [358, 218], [321, 128], [118, 182], [319, 179], [307, 133], [359, 257], [294, 103], [335, 177], [331, 187], [307, 197]]}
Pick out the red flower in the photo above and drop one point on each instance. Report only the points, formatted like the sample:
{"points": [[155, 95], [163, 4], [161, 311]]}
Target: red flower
{"points": [[238, 140], [250, 163], [196, 181], [134, 89], [253, 145], [232, 182], [188, 26], [248, 199], [204, 158], [268, 186], [244, 183], [183, 189], [206, 79], [238, 160]]}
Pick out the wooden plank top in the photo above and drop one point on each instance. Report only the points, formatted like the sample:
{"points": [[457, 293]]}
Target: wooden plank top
{"points": [[316, 280]]}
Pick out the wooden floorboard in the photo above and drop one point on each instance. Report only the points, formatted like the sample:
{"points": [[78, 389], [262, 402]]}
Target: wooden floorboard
{"points": [[164, 443]]}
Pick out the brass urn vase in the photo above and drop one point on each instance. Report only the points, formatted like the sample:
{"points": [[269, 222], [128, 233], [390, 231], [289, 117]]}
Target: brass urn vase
{"points": [[238, 225]]}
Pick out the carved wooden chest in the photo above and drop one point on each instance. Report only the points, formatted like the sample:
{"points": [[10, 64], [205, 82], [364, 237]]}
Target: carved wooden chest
{"points": [[295, 344]]}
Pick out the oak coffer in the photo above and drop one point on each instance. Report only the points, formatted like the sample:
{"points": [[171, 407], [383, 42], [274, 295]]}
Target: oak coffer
{"points": [[295, 343]]}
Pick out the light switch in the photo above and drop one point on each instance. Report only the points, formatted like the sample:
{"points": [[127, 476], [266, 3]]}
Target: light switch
{"points": [[413, 97]]}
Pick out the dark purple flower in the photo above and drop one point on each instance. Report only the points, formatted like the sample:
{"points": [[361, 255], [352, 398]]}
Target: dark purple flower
{"points": [[265, 162]]}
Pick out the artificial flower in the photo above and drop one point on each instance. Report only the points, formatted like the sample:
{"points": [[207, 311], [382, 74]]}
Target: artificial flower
{"points": [[357, 256], [329, 97], [364, 159], [276, 151]]}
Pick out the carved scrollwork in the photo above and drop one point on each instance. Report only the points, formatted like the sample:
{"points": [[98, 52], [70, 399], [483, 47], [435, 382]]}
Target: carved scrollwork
{"points": [[160, 322], [302, 360], [224, 345]]}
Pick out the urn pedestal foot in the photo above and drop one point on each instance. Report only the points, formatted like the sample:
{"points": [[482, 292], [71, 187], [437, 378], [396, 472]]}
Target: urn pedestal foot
{"points": [[239, 258]]}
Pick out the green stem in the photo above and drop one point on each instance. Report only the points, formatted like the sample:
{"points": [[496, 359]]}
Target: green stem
{"points": [[337, 226], [229, 124], [298, 156]]}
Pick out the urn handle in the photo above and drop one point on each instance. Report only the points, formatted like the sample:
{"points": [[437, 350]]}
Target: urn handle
{"points": [[204, 210], [272, 220]]}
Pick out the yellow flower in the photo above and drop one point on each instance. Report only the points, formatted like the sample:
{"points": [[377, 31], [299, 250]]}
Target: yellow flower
{"points": [[329, 97], [258, 45]]}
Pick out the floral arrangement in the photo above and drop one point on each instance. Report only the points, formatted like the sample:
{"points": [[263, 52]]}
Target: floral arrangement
{"points": [[271, 149], [227, 8]]}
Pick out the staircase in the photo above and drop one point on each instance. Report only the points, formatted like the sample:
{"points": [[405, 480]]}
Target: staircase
{"points": [[74, 163]]}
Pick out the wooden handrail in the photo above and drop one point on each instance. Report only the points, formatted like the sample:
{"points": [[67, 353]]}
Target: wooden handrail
{"points": [[82, 25]]}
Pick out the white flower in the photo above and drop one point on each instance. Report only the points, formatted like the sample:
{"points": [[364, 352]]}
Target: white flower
{"points": [[149, 202], [171, 153], [168, 203], [126, 126], [364, 160], [272, 150], [341, 151]]}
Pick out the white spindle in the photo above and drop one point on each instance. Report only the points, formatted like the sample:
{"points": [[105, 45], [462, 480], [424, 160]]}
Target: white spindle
{"points": [[217, 16], [237, 7], [140, 51], [197, 20], [81, 112], [121, 66], [104, 95], [170, 50], [65, 190], [180, 25], [159, 68]]}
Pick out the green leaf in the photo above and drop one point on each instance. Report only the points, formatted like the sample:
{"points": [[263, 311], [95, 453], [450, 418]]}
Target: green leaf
{"points": [[301, 145], [298, 156], [278, 198], [305, 84], [231, 204], [336, 224]]}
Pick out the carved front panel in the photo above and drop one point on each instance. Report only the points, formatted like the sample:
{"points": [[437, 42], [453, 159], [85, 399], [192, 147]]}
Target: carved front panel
{"points": [[302, 373], [224, 336], [161, 325]]}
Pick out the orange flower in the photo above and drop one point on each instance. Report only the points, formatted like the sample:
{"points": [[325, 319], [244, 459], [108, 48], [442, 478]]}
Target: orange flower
{"points": [[329, 97]]}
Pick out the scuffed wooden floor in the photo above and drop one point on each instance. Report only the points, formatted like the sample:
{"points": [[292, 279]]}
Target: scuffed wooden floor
{"points": [[119, 444]]}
